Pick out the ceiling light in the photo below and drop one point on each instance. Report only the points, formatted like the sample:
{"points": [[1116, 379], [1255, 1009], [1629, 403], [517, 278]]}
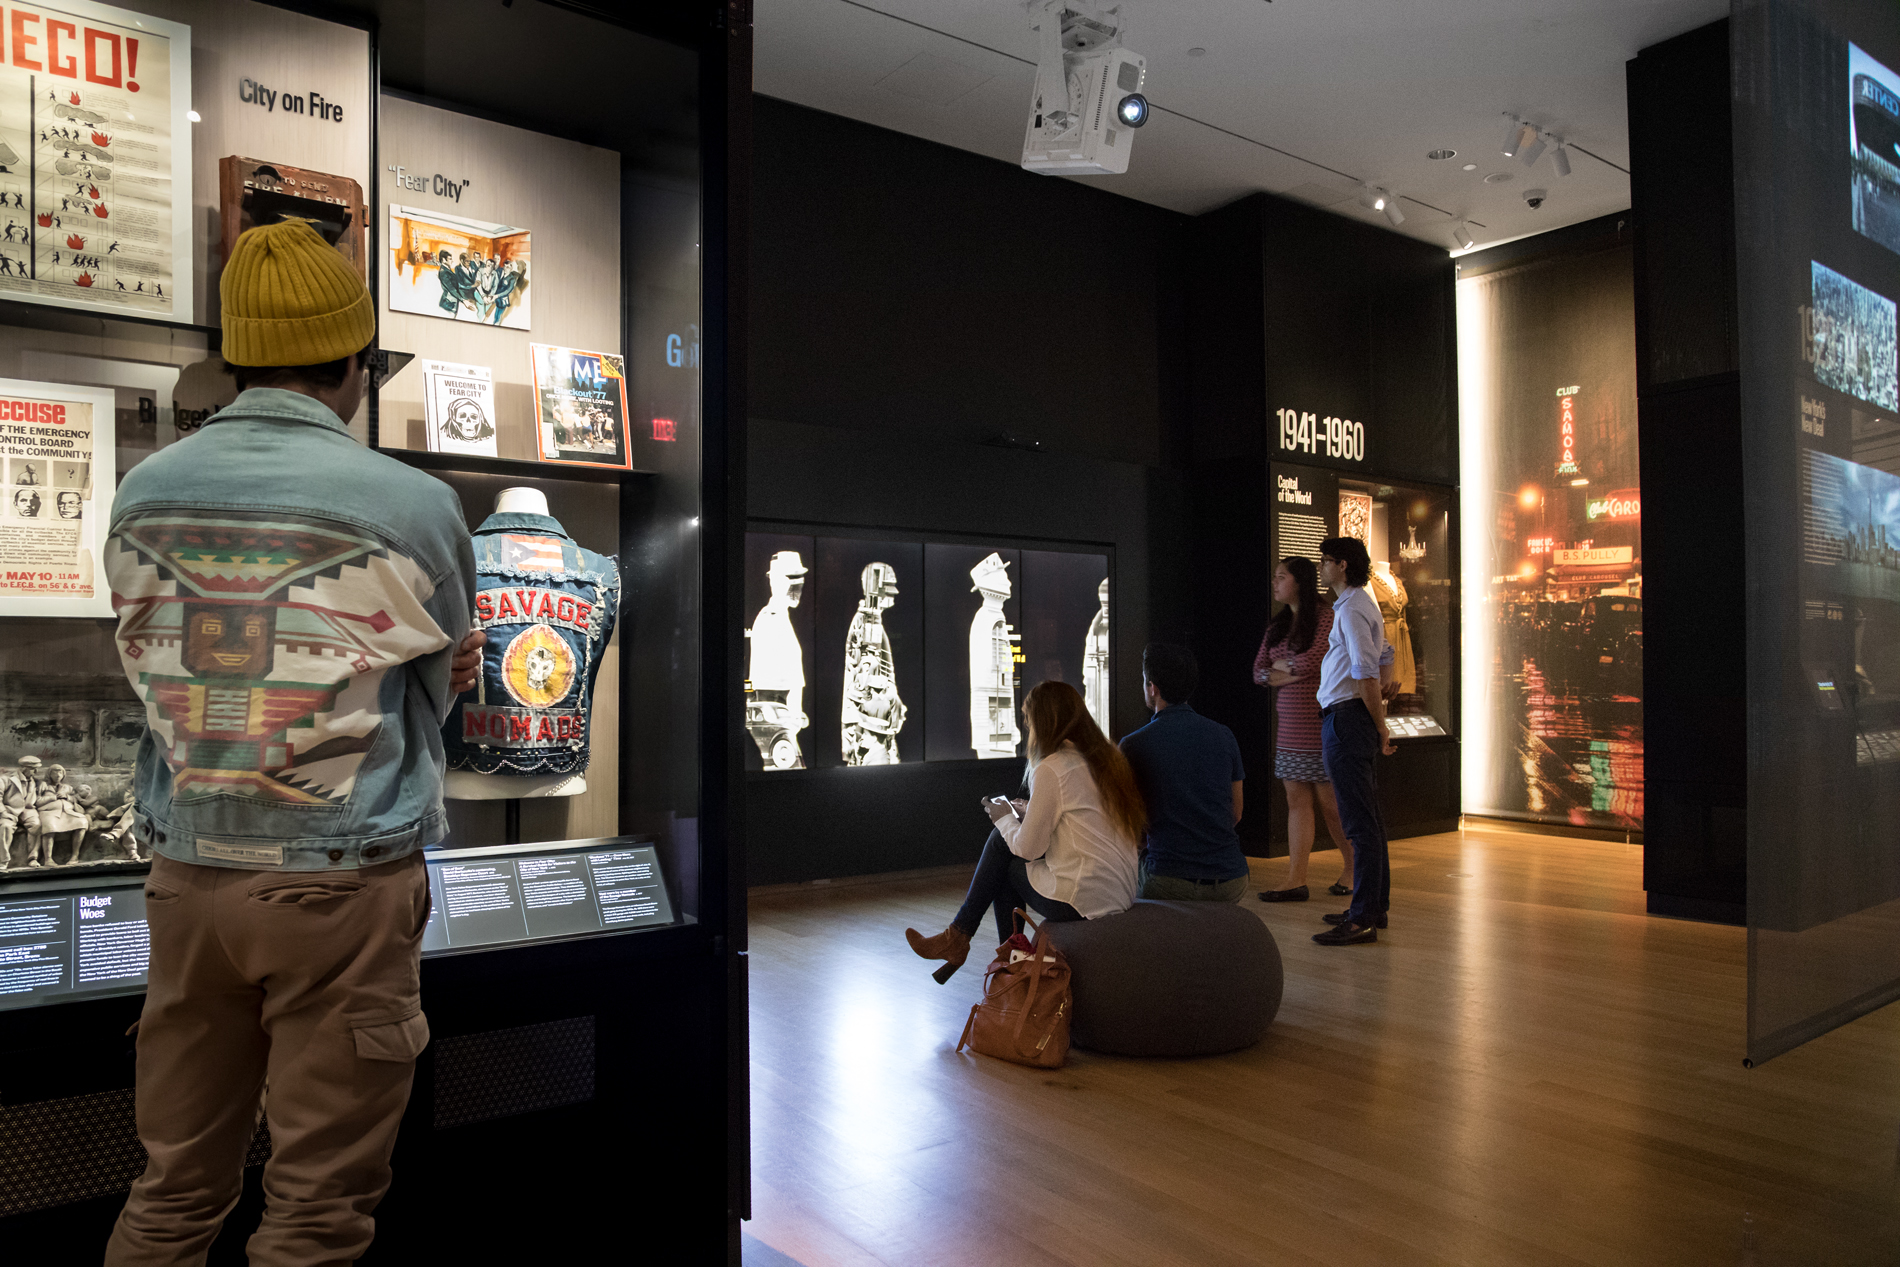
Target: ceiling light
{"points": [[1442, 154], [1197, 52], [1516, 138], [1497, 178], [1578, 483], [1471, 167], [1561, 158], [1534, 148], [1392, 211], [1462, 238]]}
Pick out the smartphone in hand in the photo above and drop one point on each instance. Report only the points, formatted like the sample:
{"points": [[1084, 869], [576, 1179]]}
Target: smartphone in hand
{"points": [[1009, 805]]}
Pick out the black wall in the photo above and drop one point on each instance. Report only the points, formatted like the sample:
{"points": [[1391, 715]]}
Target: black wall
{"points": [[923, 292], [1688, 389], [1290, 307], [913, 307]]}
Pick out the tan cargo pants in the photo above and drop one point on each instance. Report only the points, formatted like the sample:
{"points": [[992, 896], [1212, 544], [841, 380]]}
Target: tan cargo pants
{"points": [[309, 981]]}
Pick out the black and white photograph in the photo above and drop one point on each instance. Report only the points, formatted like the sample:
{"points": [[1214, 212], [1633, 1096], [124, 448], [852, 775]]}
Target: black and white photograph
{"points": [[30, 502], [1065, 624], [973, 652], [779, 645], [28, 472], [869, 688], [458, 403], [1851, 339], [71, 475]]}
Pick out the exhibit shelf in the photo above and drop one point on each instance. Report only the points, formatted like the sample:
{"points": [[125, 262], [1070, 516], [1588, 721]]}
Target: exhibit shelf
{"points": [[468, 464], [15, 313]]}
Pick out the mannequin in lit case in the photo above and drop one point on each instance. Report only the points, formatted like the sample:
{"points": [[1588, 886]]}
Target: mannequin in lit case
{"points": [[993, 730], [1095, 662], [873, 714], [775, 687]]}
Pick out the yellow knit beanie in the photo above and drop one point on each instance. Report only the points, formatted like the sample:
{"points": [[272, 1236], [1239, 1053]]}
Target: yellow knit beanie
{"points": [[291, 299]]}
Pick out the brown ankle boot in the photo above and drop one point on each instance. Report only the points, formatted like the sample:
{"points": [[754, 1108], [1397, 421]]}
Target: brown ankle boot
{"points": [[952, 946]]}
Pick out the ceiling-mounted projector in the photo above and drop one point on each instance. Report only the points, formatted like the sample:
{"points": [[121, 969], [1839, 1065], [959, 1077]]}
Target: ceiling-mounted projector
{"points": [[1088, 98]]}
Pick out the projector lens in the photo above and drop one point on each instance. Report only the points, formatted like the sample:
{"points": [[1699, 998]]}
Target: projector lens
{"points": [[1133, 110]]}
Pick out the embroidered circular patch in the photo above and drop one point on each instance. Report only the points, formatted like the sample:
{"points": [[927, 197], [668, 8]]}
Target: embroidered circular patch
{"points": [[538, 668]]}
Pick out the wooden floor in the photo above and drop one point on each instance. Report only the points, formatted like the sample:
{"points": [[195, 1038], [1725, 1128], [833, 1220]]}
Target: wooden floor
{"points": [[1526, 1069]]}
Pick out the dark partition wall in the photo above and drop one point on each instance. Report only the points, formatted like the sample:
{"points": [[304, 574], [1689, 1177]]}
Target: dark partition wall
{"points": [[1695, 705], [1817, 115], [1323, 345]]}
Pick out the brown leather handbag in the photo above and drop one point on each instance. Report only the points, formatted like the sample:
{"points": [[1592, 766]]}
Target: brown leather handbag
{"points": [[1024, 1015]]}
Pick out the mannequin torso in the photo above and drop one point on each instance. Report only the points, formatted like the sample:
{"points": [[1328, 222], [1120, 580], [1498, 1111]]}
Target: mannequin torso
{"points": [[467, 785]]}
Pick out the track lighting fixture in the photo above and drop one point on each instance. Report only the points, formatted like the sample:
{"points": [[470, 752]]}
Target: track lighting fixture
{"points": [[1514, 138], [1391, 209], [1462, 238], [1532, 150], [1560, 158]]}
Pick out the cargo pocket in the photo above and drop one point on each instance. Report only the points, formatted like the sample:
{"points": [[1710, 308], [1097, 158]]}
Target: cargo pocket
{"points": [[399, 1041]]}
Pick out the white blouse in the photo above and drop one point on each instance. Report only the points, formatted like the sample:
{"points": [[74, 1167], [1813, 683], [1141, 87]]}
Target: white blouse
{"points": [[1074, 851]]}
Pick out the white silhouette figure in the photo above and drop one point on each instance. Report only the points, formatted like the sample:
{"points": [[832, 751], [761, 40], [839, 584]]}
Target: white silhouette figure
{"points": [[993, 730]]}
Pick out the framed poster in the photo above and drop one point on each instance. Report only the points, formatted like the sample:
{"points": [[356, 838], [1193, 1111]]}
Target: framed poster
{"points": [[458, 403], [463, 270], [56, 448], [580, 406], [95, 161]]}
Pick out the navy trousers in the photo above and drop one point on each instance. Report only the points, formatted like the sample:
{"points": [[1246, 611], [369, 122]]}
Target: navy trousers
{"points": [[1349, 744], [1000, 885]]}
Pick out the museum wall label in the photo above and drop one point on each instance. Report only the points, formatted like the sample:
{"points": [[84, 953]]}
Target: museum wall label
{"points": [[311, 103]]}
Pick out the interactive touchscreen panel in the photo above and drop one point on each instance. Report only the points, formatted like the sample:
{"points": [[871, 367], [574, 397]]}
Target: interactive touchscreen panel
{"points": [[62, 944], [515, 893]]}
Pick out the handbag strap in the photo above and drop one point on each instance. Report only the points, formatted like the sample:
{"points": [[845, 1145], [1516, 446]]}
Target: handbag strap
{"points": [[1035, 973]]}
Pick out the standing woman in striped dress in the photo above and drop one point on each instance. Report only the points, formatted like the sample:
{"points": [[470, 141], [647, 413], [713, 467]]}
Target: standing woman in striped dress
{"points": [[1288, 662]]}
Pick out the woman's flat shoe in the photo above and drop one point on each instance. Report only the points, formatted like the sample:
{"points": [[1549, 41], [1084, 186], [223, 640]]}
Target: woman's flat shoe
{"points": [[952, 946], [1297, 894], [1339, 890]]}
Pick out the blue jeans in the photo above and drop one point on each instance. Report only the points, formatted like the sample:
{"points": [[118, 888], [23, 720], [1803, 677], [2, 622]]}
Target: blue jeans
{"points": [[1001, 884], [1349, 744]]}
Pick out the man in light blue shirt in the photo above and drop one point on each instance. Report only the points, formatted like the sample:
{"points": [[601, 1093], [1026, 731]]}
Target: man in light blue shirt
{"points": [[1353, 734]]}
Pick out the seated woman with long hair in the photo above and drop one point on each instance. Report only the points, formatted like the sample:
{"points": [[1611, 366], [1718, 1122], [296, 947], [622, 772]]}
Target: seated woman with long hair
{"points": [[1072, 853]]}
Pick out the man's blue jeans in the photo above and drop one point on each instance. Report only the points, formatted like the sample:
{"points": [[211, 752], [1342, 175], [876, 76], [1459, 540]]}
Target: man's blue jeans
{"points": [[1349, 744]]}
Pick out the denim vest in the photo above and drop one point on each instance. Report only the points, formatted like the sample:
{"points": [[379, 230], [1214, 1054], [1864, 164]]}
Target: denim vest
{"points": [[288, 607], [549, 608]]}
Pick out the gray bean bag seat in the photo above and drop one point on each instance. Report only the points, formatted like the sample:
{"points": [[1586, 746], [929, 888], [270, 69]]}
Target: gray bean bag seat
{"points": [[1171, 979]]}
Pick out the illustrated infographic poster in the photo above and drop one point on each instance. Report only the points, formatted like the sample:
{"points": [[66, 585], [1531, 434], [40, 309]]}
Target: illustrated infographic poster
{"points": [[95, 160]]}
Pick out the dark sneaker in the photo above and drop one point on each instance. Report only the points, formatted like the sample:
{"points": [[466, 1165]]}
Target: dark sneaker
{"points": [[1347, 935], [1341, 918], [1297, 894]]}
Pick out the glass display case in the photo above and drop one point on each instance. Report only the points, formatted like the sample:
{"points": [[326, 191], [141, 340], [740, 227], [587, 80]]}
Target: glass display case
{"points": [[1408, 533], [535, 243]]}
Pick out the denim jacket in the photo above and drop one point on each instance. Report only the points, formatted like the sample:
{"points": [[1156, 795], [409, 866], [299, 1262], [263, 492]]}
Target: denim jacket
{"points": [[548, 606], [289, 602]]}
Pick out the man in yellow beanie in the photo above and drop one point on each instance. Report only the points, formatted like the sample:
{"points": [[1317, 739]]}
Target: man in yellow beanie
{"points": [[290, 608]]}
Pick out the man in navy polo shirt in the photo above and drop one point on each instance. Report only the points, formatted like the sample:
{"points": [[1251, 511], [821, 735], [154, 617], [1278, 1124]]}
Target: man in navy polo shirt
{"points": [[1189, 772]]}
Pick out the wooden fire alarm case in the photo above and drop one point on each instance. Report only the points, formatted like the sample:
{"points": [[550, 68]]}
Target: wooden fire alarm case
{"points": [[252, 192]]}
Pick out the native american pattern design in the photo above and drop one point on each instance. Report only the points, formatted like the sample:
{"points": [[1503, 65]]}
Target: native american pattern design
{"points": [[259, 641]]}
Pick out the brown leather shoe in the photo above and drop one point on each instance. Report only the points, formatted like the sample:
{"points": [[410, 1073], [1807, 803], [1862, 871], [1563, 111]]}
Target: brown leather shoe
{"points": [[952, 946]]}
